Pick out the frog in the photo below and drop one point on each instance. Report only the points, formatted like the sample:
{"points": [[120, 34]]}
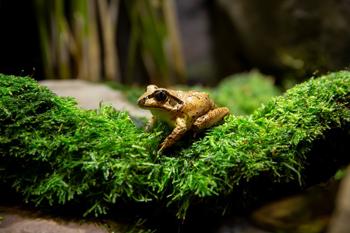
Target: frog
{"points": [[181, 110]]}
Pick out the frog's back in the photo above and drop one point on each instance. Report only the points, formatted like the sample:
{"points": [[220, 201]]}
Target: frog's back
{"points": [[197, 104]]}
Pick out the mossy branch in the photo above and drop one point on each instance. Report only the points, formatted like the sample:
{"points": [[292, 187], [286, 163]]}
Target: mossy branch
{"points": [[52, 152]]}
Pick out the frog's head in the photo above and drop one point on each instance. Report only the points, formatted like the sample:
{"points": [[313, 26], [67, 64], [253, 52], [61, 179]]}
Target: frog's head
{"points": [[159, 98]]}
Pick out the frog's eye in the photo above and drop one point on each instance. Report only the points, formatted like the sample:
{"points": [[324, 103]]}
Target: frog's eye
{"points": [[160, 95], [151, 88]]}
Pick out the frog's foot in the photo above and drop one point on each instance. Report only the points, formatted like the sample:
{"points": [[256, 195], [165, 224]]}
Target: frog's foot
{"points": [[210, 119], [171, 139], [174, 136]]}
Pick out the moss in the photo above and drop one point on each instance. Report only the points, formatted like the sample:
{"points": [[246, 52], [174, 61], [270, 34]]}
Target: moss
{"points": [[53, 153], [244, 93]]}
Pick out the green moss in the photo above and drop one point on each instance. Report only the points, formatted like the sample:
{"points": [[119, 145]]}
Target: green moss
{"points": [[70, 153], [244, 93], [52, 152]]}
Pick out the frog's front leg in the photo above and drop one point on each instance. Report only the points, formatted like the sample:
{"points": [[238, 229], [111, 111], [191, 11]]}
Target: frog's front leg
{"points": [[210, 118], [150, 124], [179, 130]]}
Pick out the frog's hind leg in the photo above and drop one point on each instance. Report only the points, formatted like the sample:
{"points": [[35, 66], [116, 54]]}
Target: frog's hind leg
{"points": [[211, 118]]}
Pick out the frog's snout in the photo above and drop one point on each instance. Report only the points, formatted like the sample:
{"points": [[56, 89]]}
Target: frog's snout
{"points": [[141, 102]]}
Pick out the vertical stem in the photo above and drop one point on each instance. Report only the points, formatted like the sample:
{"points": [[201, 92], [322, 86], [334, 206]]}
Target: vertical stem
{"points": [[94, 60], [108, 30], [80, 33], [114, 10], [44, 39], [132, 6], [169, 10], [64, 70], [153, 43]]}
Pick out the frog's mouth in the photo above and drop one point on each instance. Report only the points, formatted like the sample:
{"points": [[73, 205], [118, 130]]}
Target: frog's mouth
{"points": [[141, 102]]}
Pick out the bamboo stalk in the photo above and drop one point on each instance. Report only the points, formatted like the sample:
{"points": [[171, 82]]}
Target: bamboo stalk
{"points": [[80, 31], [44, 39], [176, 56], [63, 59], [134, 37], [114, 10], [93, 44], [74, 48], [153, 43], [153, 28], [108, 26]]}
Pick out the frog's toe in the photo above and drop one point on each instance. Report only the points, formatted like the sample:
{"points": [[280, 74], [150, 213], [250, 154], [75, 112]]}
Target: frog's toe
{"points": [[162, 147]]}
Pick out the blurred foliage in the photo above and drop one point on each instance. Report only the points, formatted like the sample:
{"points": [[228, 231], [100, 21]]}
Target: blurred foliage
{"points": [[78, 40], [73, 41], [154, 37], [53, 153], [244, 93]]}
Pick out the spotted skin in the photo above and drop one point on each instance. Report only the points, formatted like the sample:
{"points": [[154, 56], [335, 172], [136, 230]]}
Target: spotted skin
{"points": [[182, 110]]}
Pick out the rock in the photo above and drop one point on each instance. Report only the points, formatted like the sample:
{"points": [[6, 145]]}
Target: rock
{"points": [[19, 221], [341, 217], [309, 211], [91, 95], [238, 225]]}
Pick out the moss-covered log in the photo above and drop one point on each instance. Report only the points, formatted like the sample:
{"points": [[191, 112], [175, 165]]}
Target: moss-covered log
{"points": [[52, 152]]}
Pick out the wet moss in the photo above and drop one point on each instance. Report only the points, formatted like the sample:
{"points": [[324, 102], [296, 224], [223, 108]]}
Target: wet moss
{"points": [[53, 153]]}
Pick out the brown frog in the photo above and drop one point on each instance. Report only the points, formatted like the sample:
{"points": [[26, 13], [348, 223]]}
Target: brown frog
{"points": [[182, 110]]}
